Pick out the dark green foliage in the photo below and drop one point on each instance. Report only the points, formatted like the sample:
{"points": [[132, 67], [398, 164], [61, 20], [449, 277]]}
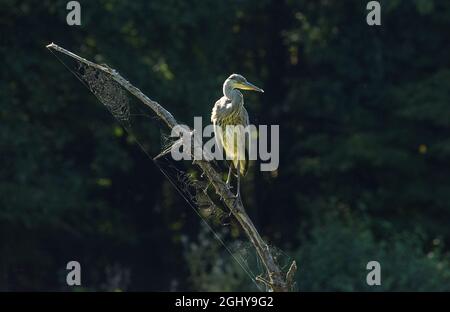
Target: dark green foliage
{"points": [[334, 258], [364, 120]]}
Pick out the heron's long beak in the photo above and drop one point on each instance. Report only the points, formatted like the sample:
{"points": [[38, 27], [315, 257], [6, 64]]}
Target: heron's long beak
{"points": [[248, 86]]}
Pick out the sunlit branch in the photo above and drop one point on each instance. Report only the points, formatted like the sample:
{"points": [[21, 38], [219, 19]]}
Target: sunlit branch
{"points": [[277, 280]]}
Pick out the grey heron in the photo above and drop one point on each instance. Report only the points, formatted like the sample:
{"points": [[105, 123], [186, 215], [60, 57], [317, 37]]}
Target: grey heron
{"points": [[229, 112]]}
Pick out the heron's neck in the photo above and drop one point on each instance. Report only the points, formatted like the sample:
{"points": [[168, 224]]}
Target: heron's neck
{"points": [[233, 94]]}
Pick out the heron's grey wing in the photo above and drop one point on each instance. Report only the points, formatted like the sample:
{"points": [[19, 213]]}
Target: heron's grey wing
{"points": [[245, 123], [214, 112], [245, 119], [217, 114]]}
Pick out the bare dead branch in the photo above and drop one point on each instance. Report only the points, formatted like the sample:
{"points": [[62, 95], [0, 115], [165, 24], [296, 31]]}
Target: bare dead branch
{"points": [[276, 279]]}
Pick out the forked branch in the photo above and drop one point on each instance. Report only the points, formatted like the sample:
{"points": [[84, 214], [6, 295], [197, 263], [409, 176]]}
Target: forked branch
{"points": [[276, 280]]}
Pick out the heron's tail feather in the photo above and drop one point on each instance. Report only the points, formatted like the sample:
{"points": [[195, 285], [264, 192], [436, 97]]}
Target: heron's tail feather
{"points": [[243, 165]]}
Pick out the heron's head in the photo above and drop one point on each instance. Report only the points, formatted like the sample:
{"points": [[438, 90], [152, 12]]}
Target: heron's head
{"points": [[237, 81]]}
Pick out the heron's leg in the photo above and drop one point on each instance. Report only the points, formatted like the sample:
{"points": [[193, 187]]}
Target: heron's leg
{"points": [[237, 197], [238, 193], [229, 176]]}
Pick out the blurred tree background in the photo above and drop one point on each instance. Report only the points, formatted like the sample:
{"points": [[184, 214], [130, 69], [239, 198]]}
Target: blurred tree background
{"points": [[364, 121]]}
